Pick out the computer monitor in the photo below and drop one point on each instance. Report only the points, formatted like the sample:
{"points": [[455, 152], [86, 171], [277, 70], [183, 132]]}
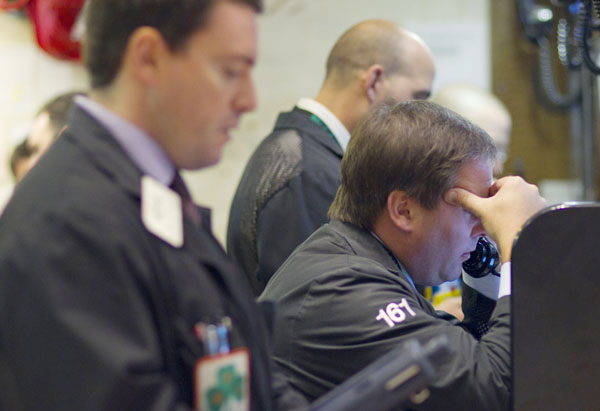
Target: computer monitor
{"points": [[556, 310]]}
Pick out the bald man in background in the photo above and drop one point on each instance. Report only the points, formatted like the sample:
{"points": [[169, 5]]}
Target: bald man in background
{"points": [[292, 177], [483, 109]]}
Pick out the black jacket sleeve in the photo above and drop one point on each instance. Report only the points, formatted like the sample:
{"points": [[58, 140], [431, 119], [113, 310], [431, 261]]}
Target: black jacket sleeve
{"points": [[368, 314], [290, 217]]}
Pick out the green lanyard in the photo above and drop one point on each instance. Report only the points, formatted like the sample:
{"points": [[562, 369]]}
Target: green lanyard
{"points": [[318, 121]]}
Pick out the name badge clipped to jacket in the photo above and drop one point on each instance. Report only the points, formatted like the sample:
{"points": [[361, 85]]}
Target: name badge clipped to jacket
{"points": [[222, 377], [161, 211]]}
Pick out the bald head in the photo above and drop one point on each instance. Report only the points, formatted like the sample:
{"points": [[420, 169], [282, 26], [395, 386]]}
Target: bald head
{"points": [[481, 108], [373, 42], [372, 62]]}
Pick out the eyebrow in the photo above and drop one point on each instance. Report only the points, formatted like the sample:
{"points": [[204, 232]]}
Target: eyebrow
{"points": [[239, 59], [421, 95]]}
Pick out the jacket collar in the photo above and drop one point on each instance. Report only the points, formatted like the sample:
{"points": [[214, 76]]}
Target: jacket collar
{"points": [[364, 244], [145, 152], [330, 121], [102, 150], [300, 119]]}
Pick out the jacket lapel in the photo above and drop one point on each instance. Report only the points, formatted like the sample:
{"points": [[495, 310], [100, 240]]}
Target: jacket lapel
{"points": [[300, 119]]}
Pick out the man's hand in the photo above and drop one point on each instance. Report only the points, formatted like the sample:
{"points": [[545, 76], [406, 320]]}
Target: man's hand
{"points": [[511, 203]]}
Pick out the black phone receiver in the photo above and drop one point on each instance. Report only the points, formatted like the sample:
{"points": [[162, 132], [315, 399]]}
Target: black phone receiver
{"points": [[483, 260]]}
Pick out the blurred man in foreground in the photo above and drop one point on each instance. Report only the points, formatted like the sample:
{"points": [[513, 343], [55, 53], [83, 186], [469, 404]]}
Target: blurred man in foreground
{"points": [[114, 293]]}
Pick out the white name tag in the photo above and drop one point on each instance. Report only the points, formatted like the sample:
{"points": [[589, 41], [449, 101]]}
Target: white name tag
{"points": [[162, 212]]}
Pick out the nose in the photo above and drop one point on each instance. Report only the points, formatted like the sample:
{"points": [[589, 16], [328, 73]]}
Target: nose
{"points": [[246, 97], [477, 230]]}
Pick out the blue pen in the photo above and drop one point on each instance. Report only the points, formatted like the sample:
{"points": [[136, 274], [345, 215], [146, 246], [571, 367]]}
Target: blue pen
{"points": [[223, 341], [212, 339]]}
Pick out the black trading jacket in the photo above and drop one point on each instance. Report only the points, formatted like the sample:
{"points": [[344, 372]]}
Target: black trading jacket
{"points": [[97, 313], [329, 298], [283, 195]]}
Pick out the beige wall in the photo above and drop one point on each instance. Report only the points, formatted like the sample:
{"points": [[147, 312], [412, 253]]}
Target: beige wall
{"points": [[28, 78], [295, 37]]}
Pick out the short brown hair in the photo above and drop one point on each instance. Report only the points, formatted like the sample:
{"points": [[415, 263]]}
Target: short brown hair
{"points": [[110, 23], [416, 146]]}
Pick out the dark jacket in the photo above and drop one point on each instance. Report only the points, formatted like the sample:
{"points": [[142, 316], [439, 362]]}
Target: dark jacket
{"points": [[97, 313], [341, 302], [283, 195]]}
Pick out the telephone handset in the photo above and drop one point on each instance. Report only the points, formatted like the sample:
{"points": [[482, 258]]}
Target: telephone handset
{"points": [[483, 260]]}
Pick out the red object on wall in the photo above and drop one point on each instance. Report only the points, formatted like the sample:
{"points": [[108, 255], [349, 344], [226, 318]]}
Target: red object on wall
{"points": [[12, 4], [53, 21]]}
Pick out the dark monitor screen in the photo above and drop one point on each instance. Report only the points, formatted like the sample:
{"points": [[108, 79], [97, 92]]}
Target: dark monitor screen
{"points": [[556, 310]]}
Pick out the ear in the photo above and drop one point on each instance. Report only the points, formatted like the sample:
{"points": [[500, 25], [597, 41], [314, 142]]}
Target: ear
{"points": [[143, 55], [373, 80], [399, 209]]}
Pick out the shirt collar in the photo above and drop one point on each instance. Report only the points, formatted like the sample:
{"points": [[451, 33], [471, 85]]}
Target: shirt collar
{"points": [[143, 150], [340, 133]]}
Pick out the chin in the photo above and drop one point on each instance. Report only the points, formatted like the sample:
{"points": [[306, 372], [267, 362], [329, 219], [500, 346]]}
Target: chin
{"points": [[209, 162], [454, 276], [198, 163]]}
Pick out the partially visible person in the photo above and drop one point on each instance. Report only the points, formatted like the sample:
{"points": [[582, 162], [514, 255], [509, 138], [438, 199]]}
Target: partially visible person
{"points": [[20, 160], [114, 293], [347, 295], [291, 179], [488, 112], [49, 122], [483, 109]]}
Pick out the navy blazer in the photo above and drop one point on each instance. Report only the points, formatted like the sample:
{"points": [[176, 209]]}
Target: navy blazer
{"points": [[96, 312]]}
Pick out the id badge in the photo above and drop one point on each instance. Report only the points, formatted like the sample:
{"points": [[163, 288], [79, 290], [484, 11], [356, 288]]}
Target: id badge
{"points": [[222, 382], [161, 211]]}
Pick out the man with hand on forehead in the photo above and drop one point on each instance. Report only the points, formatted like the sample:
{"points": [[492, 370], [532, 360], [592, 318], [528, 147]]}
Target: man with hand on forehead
{"points": [[415, 181]]}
